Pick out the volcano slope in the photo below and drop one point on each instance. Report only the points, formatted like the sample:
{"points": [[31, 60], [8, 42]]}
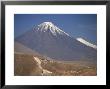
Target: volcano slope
{"points": [[47, 39], [46, 50]]}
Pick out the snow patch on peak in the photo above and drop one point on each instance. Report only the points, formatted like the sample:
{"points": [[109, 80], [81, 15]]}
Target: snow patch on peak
{"points": [[48, 23], [45, 26], [87, 43]]}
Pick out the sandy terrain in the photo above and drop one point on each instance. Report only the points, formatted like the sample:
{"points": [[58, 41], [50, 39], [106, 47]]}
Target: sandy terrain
{"points": [[31, 65]]}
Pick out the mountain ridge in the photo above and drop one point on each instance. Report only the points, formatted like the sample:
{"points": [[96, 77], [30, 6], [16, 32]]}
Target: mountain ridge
{"points": [[86, 42], [49, 26], [49, 40]]}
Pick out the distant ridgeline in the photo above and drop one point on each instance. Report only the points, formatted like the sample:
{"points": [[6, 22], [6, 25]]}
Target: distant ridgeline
{"points": [[47, 39]]}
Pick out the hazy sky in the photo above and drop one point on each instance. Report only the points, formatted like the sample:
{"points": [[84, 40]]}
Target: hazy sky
{"points": [[76, 25]]}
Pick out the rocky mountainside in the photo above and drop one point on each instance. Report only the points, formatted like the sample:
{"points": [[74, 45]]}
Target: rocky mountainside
{"points": [[49, 40]]}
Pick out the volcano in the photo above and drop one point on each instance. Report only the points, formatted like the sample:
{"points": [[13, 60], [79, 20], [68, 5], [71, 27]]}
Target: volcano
{"points": [[49, 40]]}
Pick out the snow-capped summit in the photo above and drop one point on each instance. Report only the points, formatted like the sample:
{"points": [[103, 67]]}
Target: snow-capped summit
{"points": [[49, 26], [87, 43], [48, 23], [48, 40]]}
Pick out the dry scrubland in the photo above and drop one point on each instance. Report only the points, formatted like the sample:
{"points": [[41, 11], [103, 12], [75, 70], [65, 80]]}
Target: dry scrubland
{"points": [[26, 65]]}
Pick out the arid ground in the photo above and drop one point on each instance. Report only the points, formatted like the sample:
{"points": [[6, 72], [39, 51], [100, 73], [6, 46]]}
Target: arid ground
{"points": [[35, 65]]}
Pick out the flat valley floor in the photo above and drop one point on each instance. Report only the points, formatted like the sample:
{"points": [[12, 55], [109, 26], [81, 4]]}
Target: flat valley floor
{"points": [[33, 65]]}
